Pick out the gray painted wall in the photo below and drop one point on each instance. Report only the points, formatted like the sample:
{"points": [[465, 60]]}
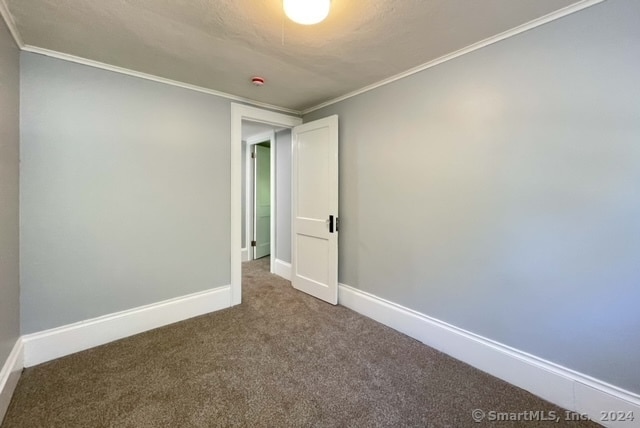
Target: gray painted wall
{"points": [[500, 192], [9, 196], [283, 195], [125, 192]]}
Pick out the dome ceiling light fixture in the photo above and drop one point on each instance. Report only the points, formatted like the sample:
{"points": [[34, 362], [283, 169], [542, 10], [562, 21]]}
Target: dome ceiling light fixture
{"points": [[307, 12]]}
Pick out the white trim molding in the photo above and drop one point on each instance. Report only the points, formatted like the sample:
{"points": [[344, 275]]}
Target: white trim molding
{"points": [[9, 376], [283, 269], [245, 255], [560, 13], [13, 29], [57, 342], [152, 77], [562, 386]]}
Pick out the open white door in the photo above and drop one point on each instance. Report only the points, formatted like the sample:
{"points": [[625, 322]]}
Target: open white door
{"points": [[315, 208]]}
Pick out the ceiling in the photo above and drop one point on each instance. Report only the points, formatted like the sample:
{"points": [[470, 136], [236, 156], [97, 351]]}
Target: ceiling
{"points": [[221, 44]]}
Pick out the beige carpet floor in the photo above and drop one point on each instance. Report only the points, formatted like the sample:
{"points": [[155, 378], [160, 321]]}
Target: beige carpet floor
{"points": [[281, 359]]}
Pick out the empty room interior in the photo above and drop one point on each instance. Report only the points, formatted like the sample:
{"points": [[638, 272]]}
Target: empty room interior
{"points": [[319, 213]]}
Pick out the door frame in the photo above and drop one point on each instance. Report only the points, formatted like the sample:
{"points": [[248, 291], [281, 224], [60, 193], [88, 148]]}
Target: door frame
{"points": [[250, 194], [240, 112]]}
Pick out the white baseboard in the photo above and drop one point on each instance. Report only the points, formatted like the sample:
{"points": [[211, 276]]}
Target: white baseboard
{"points": [[9, 376], [283, 269], [55, 343], [244, 255], [559, 385]]}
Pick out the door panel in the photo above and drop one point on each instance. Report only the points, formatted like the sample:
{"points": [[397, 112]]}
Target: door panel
{"points": [[313, 202], [315, 199], [313, 268]]}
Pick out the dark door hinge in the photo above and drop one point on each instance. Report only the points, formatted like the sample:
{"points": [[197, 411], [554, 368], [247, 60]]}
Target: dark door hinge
{"points": [[253, 243]]}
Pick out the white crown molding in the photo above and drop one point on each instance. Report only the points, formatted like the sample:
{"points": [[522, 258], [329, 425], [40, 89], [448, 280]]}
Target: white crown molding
{"points": [[57, 342], [9, 376], [11, 24], [562, 386], [576, 7], [154, 78]]}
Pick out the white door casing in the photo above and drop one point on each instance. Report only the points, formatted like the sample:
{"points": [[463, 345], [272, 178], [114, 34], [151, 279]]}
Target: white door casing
{"points": [[315, 208]]}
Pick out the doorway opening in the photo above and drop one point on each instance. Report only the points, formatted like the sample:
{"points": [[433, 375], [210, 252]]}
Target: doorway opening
{"points": [[259, 220], [271, 122], [263, 202]]}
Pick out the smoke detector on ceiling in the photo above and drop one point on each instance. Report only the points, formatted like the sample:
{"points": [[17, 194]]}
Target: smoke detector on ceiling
{"points": [[258, 81]]}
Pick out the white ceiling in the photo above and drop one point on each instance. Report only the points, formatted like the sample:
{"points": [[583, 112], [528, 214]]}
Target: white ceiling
{"points": [[221, 44]]}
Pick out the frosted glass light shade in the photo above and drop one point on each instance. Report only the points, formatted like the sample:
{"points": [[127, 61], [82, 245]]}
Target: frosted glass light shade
{"points": [[307, 12]]}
